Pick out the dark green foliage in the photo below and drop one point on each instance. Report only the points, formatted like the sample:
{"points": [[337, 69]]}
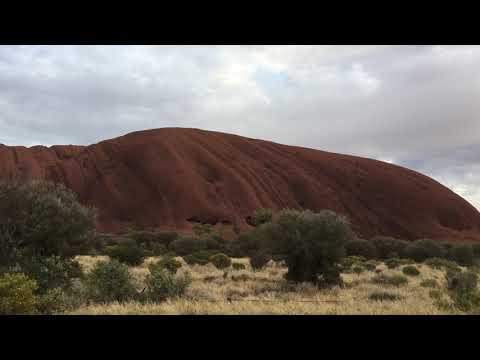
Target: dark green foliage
{"points": [[461, 281], [42, 219], [162, 284], [370, 265], [429, 283], [411, 270], [314, 243], [110, 281], [17, 295], [260, 216], [361, 247], [358, 269], [51, 272], [155, 243], [259, 260], [170, 264], [388, 247], [54, 301], [463, 291], [462, 254], [423, 249], [384, 296], [185, 245], [131, 255], [393, 263], [438, 263], [199, 257], [243, 246], [395, 280], [476, 249], [238, 266], [221, 261]]}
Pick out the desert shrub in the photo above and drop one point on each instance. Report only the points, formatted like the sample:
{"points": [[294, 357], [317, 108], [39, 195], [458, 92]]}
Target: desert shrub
{"points": [[314, 242], [476, 249], [395, 280], [221, 261], [110, 281], [129, 254], [475, 269], [393, 263], [435, 294], [461, 282], [185, 245], [149, 238], [411, 270], [358, 269], [162, 284], [170, 264], [51, 272], [54, 301], [463, 291], [360, 247], [462, 254], [17, 294], [429, 283], [244, 245], [388, 247], [384, 296], [200, 257], [370, 265], [259, 260], [260, 216], [347, 262], [241, 277], [439, 263], [238, 266], [423, 249], [42, 218]]}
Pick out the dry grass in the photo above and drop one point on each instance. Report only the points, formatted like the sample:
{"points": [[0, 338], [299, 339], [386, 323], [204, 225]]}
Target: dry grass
{"points": [[266, 292]]}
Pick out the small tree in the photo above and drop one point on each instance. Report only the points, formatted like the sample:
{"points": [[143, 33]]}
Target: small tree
{"points": [[162, 284], [462, 254], [361, 247], [388, 247], [260, 216], [314, 243], [42, 218], [423, 249], [110, 281]]}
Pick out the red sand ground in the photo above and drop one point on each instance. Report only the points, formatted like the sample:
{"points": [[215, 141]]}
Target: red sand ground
{"points": [[169, 178]]}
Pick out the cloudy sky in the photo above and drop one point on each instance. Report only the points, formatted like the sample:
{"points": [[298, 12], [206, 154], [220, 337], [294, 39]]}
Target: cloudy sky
{"points": [[416, 106]]}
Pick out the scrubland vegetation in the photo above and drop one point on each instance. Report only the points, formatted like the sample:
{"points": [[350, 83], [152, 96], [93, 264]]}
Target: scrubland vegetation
{"points": [[290, 262]]}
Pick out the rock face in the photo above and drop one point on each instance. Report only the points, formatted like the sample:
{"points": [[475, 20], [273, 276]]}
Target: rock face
{"points": [[171, 178]]}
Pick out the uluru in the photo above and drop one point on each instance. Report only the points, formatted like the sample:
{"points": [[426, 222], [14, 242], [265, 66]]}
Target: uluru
{"points": [[172, 178]]}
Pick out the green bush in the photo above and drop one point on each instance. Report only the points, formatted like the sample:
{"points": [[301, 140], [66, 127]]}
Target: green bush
{"points": [[462, 254], [129, 254], [388, 247], [259, 260], [42, 218], [170, 264], [439, 263], [260, 216], [358, 269], [384, 296], [393, 263], [238, 266], [51, 272], [185, 245], [429, 283], [54, 301], [395, 280], [221, 261], [314, 244], [162, 284], [110, 281], [17, 295], [476, 249], [361, 247], [423, 249], [370, 265], [461, 282], [410, 270], [199, 257]]}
